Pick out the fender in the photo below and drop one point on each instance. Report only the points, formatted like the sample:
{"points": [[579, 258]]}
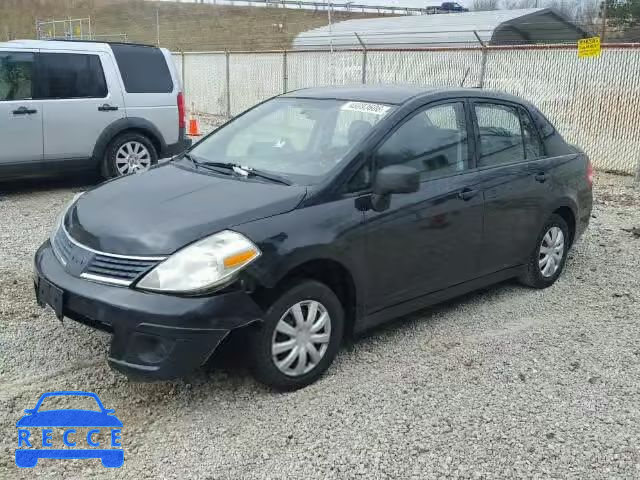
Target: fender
{"points": [[119, 126]]}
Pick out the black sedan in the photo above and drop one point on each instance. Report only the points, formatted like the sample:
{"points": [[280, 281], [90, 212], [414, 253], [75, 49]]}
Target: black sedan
{"points": [[316, 214]]}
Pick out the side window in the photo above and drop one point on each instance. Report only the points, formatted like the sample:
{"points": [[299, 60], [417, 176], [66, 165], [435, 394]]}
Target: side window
{"points": [[143, 69], [500, 134], [532, 145], [16, 73], [70, 75], [434, 141]]}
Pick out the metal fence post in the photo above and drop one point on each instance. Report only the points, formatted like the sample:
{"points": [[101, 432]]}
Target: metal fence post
{"points": [[228, 82], [483, 61], [284, 72], [364, 58], [183, 73]]}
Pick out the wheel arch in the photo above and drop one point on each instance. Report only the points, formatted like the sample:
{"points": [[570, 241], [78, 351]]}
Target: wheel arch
{"points": [[568, 210], [329, 271], [134, 124]]}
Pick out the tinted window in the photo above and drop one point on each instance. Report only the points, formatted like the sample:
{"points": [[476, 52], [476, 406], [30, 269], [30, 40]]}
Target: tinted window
{"points": [[143, 69], [532, 145], [16, 70], [70, 75], [500, 134], [434, 142]]}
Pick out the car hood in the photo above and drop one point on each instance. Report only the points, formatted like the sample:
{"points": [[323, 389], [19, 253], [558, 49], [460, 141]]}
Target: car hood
{"points": [[162, 210], [69, 418]]}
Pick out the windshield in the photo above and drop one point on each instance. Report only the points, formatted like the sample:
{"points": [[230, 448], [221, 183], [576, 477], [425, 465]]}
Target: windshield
{"points": [[299, 139]]}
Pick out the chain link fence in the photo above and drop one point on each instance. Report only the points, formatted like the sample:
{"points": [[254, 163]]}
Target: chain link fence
{"points": [[594, 102]]}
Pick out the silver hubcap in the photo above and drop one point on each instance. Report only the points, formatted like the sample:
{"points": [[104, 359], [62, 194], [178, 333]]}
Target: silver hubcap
{"points": [[551, 251], [132, 157], [301, 338]]}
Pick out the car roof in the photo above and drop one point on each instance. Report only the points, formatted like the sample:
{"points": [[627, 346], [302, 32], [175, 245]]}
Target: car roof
{"points": [[395, 94], [84, 45]]}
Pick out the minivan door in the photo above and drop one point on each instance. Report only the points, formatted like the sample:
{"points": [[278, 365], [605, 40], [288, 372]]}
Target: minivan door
{"points": [[428, 240], [81, 97], [20, 114], [515, 178]]}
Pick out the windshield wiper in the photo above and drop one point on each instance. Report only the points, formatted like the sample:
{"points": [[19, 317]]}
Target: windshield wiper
{"points": [[242, 171]]}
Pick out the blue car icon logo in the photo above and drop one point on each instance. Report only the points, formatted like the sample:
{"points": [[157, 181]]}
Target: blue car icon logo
{"points": [[32, 447]]}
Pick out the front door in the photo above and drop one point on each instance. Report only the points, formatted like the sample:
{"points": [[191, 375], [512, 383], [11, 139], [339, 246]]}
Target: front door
{"points": [[20, 115], [81, 98], [427, 240]]}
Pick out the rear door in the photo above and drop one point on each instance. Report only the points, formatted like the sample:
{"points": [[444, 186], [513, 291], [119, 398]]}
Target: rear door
{"points": [[80, 97], [20, 114], [514, 175], [151, 88], [427, 240]]}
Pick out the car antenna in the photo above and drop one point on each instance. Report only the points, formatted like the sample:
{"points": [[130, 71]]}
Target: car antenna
{"points": [[464, 79]]}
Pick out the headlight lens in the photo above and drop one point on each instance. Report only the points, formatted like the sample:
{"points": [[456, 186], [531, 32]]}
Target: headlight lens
{"points": [[61, 215], [208, 263]]}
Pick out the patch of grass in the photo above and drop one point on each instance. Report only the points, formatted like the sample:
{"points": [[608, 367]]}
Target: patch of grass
{"points": [[183, 26]]}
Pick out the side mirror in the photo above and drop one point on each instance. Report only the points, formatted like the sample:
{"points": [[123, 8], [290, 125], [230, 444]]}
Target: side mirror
{"points": [[396, 179]]}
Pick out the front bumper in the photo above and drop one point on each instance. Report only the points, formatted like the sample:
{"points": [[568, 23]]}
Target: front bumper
{"points": [[154, 336]]}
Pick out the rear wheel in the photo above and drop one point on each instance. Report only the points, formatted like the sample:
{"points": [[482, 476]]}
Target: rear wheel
{"points": [[550, 254], [128, 153], [299, 338]]}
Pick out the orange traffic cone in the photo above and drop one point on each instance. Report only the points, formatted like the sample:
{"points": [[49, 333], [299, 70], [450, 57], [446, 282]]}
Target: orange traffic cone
{"points": [[194, 126]]}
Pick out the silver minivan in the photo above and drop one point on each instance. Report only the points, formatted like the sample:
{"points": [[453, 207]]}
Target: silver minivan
{"points": [[66, 106]]}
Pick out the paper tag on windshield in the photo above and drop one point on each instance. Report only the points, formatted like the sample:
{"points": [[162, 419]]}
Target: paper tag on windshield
{"points": [[365, 107]]}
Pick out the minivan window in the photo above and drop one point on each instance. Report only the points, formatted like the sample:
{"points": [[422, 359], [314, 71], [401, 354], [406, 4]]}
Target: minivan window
{"points": [[143, 69], [16, 74], [298, 138], [434, 142], [500, 134], [70, 75]]}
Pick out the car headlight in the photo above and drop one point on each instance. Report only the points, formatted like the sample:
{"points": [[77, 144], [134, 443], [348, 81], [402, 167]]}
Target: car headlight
{"points": [[203, 265], [62, 214]]}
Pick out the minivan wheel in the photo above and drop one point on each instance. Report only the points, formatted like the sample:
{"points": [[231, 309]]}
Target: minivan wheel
{"points": [[128, 153], [299, 337], [550, 254]]}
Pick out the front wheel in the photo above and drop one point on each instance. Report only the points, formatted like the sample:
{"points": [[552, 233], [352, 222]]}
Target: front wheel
{"points": [[549, 256], [299, 337]]}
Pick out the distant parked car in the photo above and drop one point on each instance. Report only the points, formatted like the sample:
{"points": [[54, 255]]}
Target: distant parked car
{"points": [[319, 212], [69, 106], [452, 7]]}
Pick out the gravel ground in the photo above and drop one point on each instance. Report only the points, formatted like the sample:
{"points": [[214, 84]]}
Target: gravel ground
{"points": [[506, 383]]}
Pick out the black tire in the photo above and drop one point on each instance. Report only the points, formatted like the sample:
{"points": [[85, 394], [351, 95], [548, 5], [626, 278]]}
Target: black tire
{"points": [[532, 276], [108, 167], [262, 364]]}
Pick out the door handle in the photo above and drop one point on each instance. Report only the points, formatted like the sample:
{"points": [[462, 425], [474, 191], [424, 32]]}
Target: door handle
{"points": [[541, 177], [107, 108], [24, 111], [467, 194]]}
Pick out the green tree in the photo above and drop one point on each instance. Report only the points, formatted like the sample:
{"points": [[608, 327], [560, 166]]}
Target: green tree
{"points": [[625, 13]]}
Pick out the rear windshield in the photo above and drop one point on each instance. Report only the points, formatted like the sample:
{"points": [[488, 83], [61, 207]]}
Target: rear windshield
{"points": [[143, 69]]}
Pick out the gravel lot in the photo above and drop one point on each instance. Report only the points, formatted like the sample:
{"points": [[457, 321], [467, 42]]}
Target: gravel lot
{"points": [[506, 383]]}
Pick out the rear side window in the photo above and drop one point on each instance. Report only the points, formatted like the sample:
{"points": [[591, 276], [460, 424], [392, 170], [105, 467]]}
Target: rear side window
{"points": [[143, 69], [70, 75], [500, 134], [16, 73], [532, 145]]}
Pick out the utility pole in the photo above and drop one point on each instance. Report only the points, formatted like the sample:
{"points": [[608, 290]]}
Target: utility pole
{"points": [[604, 21], [158, 27]]}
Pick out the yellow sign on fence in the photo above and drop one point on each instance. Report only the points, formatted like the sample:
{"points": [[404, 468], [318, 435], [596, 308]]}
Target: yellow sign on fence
{"points": [[589, 47]]}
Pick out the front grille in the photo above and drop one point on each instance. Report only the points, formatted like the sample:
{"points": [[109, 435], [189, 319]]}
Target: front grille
{"points": [[99, 266], [118, 268]]}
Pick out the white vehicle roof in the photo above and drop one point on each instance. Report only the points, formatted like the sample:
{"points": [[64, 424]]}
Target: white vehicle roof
{"points": [[58, 45]]}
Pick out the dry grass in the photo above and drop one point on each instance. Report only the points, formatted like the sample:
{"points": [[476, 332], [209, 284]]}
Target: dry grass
{"points": [[188, 27]]}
